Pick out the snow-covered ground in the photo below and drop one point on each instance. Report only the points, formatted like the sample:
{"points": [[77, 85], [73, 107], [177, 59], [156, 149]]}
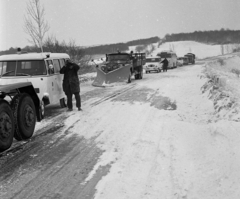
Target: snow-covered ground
{"points": [[172, 135], [223, 86], [192, 152], [183, 47]]}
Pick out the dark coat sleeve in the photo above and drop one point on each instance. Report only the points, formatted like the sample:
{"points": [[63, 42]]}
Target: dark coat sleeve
{"points": [[63, 69], [76, 67]]}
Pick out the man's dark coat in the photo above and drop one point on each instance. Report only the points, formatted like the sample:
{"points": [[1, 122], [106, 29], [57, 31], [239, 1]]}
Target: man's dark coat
{"points": [[70, 80], [165, 64]]}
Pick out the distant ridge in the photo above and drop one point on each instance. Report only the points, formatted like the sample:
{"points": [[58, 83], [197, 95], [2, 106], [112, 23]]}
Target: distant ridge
{"points": [[223, 36]]}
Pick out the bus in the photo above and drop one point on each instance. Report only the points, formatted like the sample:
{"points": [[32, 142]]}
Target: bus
{"points": [[171, 57]]}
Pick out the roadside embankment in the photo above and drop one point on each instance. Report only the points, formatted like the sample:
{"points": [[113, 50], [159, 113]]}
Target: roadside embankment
{"points": [[223, 76]]}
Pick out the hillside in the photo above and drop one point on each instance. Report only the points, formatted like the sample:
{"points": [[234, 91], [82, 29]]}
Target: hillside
{"points": [[223, 36], [182, 47]]}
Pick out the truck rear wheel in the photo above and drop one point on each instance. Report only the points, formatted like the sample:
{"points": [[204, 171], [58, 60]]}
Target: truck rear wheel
{"points": [[6, 126], [24, 114]]}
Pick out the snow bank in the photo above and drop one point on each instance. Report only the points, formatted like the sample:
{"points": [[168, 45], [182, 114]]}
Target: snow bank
{"points": [[223, 87], [183, 47]]}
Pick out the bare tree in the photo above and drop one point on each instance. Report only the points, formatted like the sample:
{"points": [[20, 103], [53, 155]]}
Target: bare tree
{"points": [[140, 48], [76, 53], [222, 49], [35, 25], [150, 49]]}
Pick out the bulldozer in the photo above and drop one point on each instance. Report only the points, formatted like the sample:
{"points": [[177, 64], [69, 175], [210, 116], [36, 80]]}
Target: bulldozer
{"points": [[119, 67]]}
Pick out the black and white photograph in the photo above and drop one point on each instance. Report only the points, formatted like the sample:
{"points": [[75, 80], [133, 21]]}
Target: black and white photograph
{"points": [[119, 99]]}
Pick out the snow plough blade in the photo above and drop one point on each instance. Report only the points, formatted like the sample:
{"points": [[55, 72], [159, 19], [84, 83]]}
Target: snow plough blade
{"points": [[121, 74]]}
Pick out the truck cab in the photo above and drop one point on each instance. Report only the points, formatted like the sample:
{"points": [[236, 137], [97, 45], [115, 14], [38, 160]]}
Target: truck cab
{"points": [[41, 69]]}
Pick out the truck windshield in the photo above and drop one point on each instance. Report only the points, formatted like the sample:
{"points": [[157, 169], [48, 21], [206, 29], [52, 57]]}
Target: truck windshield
{"points": [[118, 57], [165, 55], [153, 59], [22, 68]]}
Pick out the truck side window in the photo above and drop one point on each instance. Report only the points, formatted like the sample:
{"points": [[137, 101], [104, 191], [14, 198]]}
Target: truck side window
{"points": [[62, 62], [56, 66], [3, 66]]}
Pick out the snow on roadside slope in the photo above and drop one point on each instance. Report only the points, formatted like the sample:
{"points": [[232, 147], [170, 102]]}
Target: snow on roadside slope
{"points": [[223, 87], [156, 153], [183, 47]]}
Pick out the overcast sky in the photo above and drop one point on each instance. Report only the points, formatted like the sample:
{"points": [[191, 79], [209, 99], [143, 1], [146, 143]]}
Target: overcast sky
{"points": [[91, 22]]}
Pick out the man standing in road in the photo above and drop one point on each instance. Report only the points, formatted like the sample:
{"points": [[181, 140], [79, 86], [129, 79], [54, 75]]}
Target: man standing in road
{"points": [[71, 84], [165, 64]]}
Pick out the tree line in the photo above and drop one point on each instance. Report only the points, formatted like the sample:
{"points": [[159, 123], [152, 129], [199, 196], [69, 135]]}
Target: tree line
{"points": [[222, 36], [110, 48]]}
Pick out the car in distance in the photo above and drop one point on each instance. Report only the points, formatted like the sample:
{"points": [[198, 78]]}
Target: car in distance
{"points": [[182, 61], [153, 64]]}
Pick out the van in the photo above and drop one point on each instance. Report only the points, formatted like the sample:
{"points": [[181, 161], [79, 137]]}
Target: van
{"points": [[41, 69], [153, 64], [171, 57]]}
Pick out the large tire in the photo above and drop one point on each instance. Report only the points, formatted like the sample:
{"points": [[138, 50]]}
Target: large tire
{"points": [[24, 115], [63, 103], [6, 125]]}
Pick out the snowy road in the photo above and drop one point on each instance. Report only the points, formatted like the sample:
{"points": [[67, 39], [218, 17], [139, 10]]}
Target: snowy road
{"points": [[151, 139]]}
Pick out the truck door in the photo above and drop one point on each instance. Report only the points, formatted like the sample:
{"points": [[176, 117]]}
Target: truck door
{"points": [[52, 91], [58, 78]]}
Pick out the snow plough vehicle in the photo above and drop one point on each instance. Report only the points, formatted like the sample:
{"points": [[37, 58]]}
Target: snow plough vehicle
{"points": [[120, 67]]}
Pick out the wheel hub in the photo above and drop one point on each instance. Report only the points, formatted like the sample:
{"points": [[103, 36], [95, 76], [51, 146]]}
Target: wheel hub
{"points": [[29, 116], [5, 125]]}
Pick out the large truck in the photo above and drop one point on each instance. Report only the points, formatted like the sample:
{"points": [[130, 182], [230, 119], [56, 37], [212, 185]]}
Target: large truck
{"points": [[120, 67], [28, 83], [191, 58], [19, 110]]}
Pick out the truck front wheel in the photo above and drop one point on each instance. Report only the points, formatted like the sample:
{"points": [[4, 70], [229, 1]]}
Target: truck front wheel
{"points": [[24, 114], [6, 126]]}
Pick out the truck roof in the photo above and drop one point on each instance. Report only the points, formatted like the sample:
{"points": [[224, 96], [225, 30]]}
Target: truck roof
{"points": [[32, 56]]}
